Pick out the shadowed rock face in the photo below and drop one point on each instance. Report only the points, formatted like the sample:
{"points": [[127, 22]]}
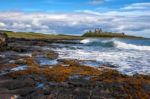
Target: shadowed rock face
{"points": [[3, 40]]}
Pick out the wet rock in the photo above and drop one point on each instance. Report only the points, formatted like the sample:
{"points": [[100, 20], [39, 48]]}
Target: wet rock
{"points": [[90, 63], [46, 89], [3, 40], [108, 65], [52, 55], [81, 93], [146, 87], [36, 95], [67, 42], [79, 81], [69, 62], [8, 96], [19, 49], [25, 91], [21, 61], [15, 84]]}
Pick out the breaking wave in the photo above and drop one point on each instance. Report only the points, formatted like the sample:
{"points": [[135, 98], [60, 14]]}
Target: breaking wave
{"points": [[113, 43]]}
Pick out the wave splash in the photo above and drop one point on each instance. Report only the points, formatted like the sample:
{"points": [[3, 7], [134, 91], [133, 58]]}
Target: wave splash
{"points": [[97, 42], [113, 43]]}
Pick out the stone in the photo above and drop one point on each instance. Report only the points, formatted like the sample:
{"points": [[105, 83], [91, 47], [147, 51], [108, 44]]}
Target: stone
{"points": [[3, 40], [52, 55]]}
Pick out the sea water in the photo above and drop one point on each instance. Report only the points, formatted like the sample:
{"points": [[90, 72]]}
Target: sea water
{"points": [[130, 56]]}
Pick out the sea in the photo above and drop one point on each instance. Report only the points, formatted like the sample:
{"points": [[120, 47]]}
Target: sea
{"points": [[128, 56]]}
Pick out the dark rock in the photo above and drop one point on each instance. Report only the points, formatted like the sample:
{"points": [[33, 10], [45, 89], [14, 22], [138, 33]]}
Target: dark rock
{"points": [[3, 40], [19, 49], [70, 62], [25, 91], [8, 96], [21, 61], [110, 65], [36, 95], [46, 90], [67, 42], [16, 84], [52, 55], [146, 87], [81, 93], [79, 81]]}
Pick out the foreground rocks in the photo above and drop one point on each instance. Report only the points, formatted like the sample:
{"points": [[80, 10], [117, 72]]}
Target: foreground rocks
{"points": [[22, 77], [72, 82], [31, 86]]}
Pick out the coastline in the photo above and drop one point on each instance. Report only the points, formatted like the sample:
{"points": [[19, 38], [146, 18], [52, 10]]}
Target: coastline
{"points": [[22, 75], [40, 36]]}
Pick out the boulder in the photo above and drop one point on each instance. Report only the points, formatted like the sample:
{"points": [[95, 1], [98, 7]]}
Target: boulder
{"points": [[3, 40]]}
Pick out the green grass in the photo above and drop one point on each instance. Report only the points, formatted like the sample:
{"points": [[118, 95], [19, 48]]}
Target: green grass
{"points": [[31, 35]]}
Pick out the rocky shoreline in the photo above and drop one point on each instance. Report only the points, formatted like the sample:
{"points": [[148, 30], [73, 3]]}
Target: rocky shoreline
{"points": [[28, 71]]}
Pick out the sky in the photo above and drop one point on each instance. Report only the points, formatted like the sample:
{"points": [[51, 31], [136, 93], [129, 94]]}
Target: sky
{"points": [[76, 16]]}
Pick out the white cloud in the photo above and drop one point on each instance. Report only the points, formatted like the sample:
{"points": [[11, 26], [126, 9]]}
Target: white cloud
{"points": [[132, 21], [2, 24], [137, 6]]}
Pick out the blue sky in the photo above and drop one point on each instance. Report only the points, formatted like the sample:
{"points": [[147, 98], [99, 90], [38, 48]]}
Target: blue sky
{"points": [[76, 16], [64, 5]]}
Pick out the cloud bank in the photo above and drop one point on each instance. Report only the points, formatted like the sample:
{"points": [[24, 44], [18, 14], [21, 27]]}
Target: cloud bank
{"points": [[127, 19]]}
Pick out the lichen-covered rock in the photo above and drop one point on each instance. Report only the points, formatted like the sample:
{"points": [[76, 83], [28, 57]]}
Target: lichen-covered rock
{"points": [[52, 55], [3, 40]]}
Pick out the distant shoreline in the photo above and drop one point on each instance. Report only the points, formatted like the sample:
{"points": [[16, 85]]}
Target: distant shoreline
{"points": [[101, 34], [40, 36]]}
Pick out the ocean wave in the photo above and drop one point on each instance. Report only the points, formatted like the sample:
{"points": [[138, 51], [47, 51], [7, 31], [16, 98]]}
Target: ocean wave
{"points": [[113, 43], [123, 45], [97, 42]]}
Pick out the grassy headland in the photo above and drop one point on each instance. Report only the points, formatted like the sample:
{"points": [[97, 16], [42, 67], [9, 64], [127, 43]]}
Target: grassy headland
{"points": [[98, 34], [32, 35]]}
